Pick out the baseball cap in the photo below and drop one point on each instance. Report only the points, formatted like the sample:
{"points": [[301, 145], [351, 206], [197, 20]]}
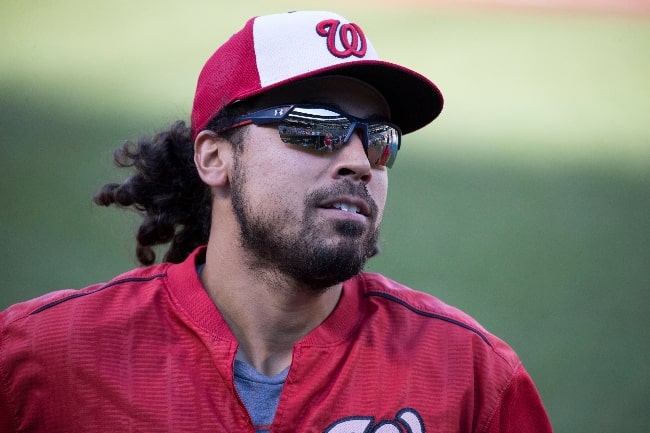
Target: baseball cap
{"points": [[273, 50]]}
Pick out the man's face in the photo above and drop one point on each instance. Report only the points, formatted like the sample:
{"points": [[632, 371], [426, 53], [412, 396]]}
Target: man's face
{"points": [[311, 216]]}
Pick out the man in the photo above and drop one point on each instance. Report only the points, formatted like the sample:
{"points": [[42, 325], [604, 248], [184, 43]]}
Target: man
{"points": [[260, 318]]}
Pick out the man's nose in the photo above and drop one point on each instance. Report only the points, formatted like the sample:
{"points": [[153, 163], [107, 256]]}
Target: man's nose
{"points": [[351, 159]]}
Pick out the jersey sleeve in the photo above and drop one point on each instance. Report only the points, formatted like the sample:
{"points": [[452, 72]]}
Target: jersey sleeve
{"points": [[521, 408], [6, 418], [7, 423]]}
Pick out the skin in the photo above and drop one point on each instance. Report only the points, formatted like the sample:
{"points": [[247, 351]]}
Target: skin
{"points": [[268, 309]]}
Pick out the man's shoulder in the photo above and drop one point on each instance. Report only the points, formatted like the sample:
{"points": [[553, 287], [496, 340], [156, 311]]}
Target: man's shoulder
{"points": [[426, 313], [416, 301], [62, 301]]}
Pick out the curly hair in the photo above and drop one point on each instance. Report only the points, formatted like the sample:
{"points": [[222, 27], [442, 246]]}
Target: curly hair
{"points": [[166, 190]]}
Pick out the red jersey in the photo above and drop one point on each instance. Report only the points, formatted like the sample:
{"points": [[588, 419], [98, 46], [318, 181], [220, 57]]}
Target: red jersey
{"points": [[150, 352]]}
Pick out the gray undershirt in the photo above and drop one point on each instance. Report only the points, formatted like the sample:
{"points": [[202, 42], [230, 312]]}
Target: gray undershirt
{"points": [[259, 393]]}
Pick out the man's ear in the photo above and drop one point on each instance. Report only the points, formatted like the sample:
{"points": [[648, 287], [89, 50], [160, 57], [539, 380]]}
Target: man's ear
{"points": [[213, 158]]}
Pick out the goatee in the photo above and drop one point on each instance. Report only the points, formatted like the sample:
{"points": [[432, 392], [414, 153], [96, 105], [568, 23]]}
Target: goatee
{"points": [[300, 249]]}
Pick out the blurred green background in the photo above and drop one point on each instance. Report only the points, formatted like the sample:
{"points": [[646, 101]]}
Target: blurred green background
{"points": [[526, 203]]}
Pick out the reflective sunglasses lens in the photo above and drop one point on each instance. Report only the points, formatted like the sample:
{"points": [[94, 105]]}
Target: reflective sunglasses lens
{"points": [[317, 128], [383, 143], [326, 130]]}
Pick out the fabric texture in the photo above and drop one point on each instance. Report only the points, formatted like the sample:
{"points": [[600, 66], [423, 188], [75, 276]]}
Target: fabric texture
{"points": [[149, 352]]}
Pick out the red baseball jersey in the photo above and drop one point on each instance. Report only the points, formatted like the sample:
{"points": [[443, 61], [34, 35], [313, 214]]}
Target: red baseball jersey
{"points": [[150, 352]]}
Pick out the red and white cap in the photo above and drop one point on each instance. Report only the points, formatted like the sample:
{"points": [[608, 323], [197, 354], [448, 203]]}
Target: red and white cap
{"points": [[273, 50]]}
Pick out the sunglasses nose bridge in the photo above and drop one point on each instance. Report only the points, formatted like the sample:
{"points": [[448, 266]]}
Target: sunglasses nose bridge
{"points": [[354, 126]]}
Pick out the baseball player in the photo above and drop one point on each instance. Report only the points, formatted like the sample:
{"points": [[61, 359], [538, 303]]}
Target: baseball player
{"points": [[260, 318]]}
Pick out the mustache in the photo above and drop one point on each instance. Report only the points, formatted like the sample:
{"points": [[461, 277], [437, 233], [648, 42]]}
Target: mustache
{"points": [[343, 188]]}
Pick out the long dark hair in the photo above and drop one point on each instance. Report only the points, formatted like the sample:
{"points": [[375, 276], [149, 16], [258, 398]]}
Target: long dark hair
{"points": [[166, 190]]}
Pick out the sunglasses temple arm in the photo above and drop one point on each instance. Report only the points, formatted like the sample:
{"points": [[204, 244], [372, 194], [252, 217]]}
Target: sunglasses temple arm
{"points": [[270, 115]]}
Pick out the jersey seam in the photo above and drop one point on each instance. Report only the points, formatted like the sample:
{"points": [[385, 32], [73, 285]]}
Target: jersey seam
{"points": [[502, 394], [92, 292], [432, 315]]}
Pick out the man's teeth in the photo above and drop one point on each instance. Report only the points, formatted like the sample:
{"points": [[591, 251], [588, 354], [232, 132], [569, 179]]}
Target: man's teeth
{"points": [[346, 207]]}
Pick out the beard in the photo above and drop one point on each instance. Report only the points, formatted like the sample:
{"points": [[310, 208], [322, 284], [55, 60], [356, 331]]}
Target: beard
{"points": [[300, 249]]}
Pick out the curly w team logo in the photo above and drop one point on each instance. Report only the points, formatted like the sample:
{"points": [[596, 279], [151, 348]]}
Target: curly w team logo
{"points": [[406, 421], [343, 40]]}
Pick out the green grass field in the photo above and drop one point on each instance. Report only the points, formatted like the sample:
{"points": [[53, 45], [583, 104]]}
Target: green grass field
{"points": [[527, 204]]}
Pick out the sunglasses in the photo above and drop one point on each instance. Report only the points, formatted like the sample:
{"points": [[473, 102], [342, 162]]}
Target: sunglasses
{"points": [[326, 129]]}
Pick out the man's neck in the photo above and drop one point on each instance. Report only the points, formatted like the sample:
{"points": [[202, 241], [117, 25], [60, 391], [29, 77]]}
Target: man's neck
{"points": [[267, 313]]}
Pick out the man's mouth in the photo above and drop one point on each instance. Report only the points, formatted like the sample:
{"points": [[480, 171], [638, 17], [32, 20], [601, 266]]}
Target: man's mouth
{"points": [[346, 207], [352, 205]]}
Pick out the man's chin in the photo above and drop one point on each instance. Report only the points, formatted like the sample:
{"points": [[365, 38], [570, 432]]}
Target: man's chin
{"points": [[321, 285], [335, 265], [350, 229]]}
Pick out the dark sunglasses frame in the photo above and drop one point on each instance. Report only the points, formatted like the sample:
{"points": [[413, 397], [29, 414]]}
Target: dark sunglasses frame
{"points": [[280, 113]]}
